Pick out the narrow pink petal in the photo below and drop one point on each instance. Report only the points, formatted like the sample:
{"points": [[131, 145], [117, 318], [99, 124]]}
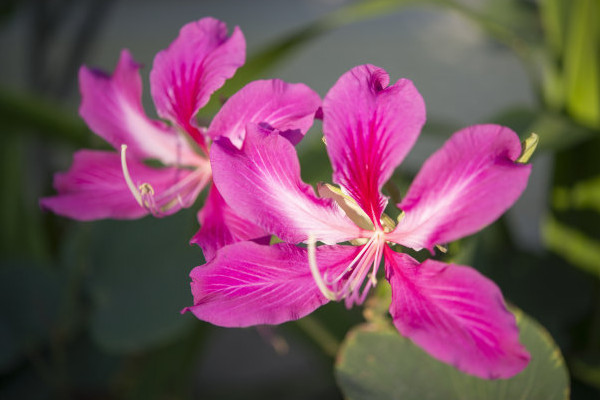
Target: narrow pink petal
{"points": [[262, 182], [455, 314], [283, 106], [369, 128], [220, 225], [464, 186], [94, 188], [249, 284], [111, 106], [197, 63]]}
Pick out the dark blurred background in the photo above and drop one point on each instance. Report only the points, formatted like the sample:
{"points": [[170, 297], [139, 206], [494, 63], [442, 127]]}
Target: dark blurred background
{"points": [[91, 310]]}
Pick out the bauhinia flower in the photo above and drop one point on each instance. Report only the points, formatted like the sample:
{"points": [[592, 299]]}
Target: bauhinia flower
{"points": [[124, 184], [451, 311]]}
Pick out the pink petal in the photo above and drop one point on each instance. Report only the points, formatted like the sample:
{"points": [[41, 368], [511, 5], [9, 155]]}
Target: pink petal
{"points": [[112, 108], [249, 284], [464, 186], [455, 314], [220, 225], [262, 182], [197, 63], [283, 106], [369, 128], [95, 188]]}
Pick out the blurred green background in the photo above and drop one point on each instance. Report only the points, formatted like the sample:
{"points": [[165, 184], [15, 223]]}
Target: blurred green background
{"points": [[91, 310]]}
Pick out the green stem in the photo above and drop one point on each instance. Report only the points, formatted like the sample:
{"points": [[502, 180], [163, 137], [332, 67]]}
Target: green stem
{"points": [[320, 335]]}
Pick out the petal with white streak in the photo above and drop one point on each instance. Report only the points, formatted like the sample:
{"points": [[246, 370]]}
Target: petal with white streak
{"points": [[463, 187], [249, 284], [95, 188], [197, 63], [220, 225], [369, 128], [262, 182], [284, 106], [111, 106], [455, 314]]}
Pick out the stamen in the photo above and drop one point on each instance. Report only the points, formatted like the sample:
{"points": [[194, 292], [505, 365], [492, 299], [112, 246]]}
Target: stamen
{"points": [[376, 263], [400, 216], [359, 273], [353, 263], [364, 266], [314, 269], [528, 148], [136, 193], [167, 199]]}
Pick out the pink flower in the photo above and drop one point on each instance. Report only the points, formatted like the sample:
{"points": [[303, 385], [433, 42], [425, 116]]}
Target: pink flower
{"points": [[453, 312], [105, 184]]}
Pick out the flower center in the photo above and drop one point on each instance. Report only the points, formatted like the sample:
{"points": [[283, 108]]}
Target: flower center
{"points": [[355, 281]]}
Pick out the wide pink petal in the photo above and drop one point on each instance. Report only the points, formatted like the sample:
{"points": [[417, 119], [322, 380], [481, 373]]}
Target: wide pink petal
{"points": [[249, 284], [464, 186], [369, 128], [455, 314], [111, 106], [220, 225], [95, 188], [262, 182], [197, 63], [283, 106]]}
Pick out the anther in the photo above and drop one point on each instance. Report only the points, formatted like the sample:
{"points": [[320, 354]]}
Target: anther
{"points": [[528, 148]]}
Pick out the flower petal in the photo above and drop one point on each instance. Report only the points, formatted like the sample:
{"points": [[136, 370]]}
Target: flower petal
{"points": [[249, 284], [220, 225], [464, 186], [262, 181], [197, 63], [112, 108], [283, 106], [455, 314], [369, 128], [95, 188]]}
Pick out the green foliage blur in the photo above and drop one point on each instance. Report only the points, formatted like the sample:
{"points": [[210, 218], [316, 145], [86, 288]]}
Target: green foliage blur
{"points": [[91, 310]]}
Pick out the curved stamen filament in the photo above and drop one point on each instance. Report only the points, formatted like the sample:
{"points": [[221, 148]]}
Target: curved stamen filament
{"points": [[145, 196], [314, 269], [369, 255], [351, 265], [134, 190]]}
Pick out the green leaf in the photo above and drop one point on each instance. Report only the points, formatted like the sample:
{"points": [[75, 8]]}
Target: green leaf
{"points": [[587, 372], [140, 282], [22, 231], [583, 195], [574, 246], [516, 15], [582, 62], [30, 303], [554, 15], [556, 131], [277, 51], [375, 362], [32, 114], [165, 372]]}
